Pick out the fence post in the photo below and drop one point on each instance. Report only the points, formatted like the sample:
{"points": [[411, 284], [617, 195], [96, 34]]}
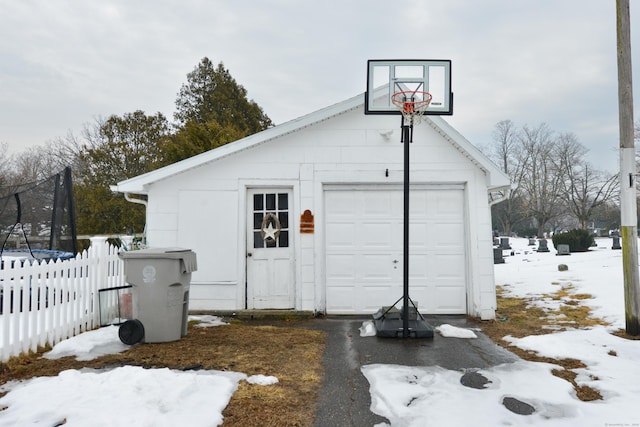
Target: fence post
{"points": [[99, 271]]}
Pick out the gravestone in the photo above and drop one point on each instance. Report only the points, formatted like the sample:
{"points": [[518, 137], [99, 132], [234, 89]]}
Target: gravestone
{"points": [[543, 245], [504, 243], [497, 256], [532, 241], [564, 249]]}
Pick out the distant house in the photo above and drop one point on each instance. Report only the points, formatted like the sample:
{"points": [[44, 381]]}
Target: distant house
{"points": [[307, 215]]}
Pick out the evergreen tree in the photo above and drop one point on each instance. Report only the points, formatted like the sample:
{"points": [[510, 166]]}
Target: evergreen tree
{"points": [[118, 148], [212, 109]]}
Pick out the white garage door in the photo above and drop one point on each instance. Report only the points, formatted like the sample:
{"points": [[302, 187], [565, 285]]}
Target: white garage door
{"points": [[364, 249]]}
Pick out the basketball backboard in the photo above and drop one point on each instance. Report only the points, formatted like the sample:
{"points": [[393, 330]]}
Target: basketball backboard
{"points": [[388, 76]]}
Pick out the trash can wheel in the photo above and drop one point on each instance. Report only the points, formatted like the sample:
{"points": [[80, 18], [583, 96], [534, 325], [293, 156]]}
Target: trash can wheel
{"points": [[131, 332]]}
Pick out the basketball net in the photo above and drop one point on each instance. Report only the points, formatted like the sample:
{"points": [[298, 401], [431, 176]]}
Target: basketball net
{"points": [[412, 104]]}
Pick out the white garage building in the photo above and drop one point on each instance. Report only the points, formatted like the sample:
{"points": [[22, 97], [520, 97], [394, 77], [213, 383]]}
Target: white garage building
{"points": [[308, 215]]}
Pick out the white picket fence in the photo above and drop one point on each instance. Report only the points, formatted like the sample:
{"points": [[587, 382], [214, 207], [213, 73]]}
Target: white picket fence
{"points": [[45, 303]]}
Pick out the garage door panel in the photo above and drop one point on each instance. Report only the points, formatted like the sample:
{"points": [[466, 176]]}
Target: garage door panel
{"points": [[419, 237], [375, 267], [419, 204], [448, 266], [419, 266], [450, 300], [372, 296], [376, 235], [340, 268], [342, 300], [341, 235], [364, 239], [339, 204], [376, 204], [447, 203], [447, 235]]}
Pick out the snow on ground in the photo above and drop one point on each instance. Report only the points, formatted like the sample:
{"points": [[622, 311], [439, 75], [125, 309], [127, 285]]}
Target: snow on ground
{"points": [[406, 396], [125, 396], [433, 396], [207, 321], [597, 272], [90, 345], [455, 332]]}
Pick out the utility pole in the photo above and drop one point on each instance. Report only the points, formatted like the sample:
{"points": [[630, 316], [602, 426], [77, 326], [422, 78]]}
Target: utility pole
{"points": [[629, 211]]}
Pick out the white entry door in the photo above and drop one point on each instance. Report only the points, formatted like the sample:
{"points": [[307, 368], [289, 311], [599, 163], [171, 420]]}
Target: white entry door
{"points": [[364, 249], [270, 256]]}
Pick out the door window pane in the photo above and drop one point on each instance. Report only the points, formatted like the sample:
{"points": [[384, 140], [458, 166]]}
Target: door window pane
{"points": [[257, 240], [257, 202], [283, 201], [257, 220], [284, 219], [283, 239], [271, 202]]}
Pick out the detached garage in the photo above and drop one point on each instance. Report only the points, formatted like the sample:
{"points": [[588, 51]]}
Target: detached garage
{"points": [[308, 215]]}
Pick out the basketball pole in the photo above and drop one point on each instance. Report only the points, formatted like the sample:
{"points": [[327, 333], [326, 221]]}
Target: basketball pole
{"points": [[407, 138]]}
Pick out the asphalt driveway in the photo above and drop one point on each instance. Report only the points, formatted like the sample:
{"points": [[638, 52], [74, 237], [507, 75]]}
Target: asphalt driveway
{"points": [[345, 399]]}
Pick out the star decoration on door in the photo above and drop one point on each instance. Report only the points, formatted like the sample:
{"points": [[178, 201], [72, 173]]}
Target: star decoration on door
{"points": [[270, 228], [269, 232]]}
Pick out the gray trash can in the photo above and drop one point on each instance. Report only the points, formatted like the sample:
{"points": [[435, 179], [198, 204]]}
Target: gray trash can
{"points": [[160, 278]]}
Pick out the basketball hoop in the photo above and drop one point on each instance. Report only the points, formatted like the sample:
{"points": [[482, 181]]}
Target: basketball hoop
{"points": [[412, 104]]}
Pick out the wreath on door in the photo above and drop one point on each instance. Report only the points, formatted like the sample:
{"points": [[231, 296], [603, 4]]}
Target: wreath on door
{"points": [[270, 228]]}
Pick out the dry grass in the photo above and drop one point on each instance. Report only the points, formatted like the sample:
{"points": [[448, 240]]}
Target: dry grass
{"points": [[519, 317], [292, 352], [286, 350]]}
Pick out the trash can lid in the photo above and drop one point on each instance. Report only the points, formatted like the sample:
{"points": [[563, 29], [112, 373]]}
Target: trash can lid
{"points": [[170, 253], [187, 257]]}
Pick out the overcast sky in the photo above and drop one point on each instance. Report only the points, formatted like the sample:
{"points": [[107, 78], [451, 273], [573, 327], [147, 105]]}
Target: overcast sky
{"points": [[64, 63]]}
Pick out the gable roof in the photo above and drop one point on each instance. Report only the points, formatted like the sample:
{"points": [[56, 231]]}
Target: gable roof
{"points": [[139, 184]]}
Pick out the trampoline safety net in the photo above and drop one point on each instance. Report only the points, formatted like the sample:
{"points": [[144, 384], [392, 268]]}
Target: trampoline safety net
{"points": [[39, 217]]}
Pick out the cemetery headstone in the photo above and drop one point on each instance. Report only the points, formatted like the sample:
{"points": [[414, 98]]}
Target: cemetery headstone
{"points": [[543, 245], [504, 243]]}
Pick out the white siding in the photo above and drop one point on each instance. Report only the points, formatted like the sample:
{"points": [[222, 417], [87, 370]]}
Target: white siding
{"points": [[350, 148]]}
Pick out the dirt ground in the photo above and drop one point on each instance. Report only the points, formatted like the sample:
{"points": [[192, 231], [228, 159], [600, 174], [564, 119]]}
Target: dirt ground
{"points": [[285, 349]]}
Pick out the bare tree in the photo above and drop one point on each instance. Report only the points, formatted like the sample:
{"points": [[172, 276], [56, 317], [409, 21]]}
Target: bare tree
{"points": [[542, 181], [505, 144], [6, 169], [505, 151], [65, 151], [31, 166], [584, 187], [551, 183]]}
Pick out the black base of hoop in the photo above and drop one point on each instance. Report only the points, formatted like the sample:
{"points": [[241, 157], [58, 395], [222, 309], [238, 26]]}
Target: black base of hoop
{"points": [[405, 323]]}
